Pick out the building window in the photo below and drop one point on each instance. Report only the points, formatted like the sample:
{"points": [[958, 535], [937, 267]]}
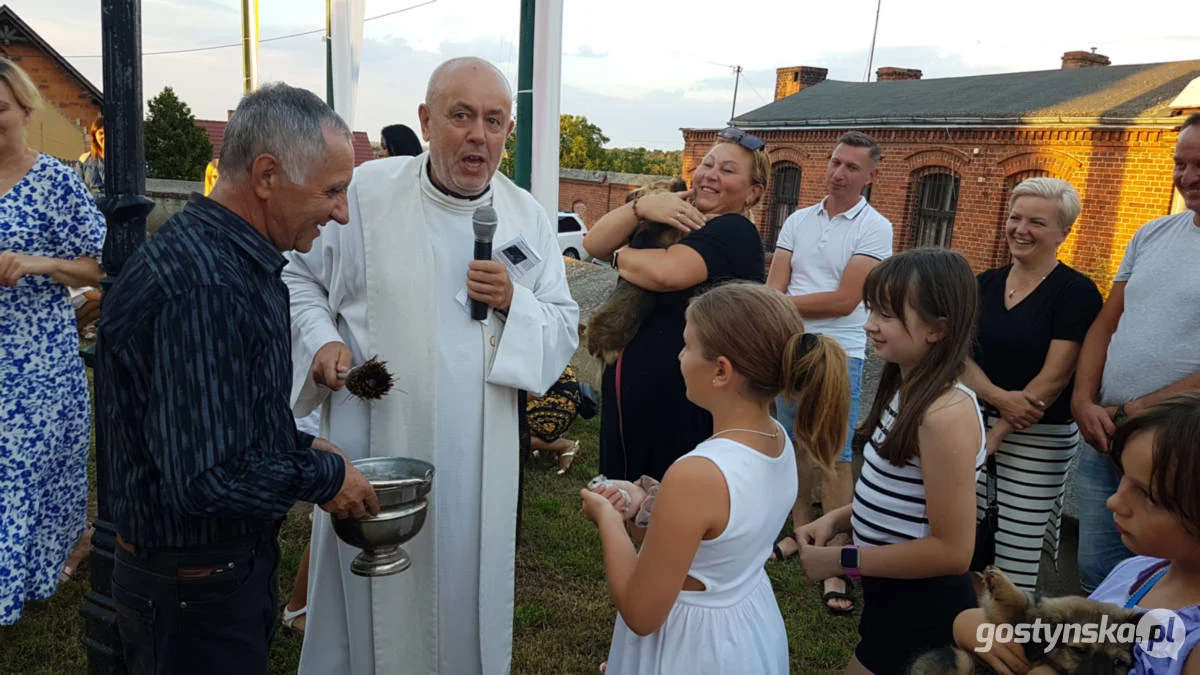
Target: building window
{"points": [[934, 205], [785, 196]]}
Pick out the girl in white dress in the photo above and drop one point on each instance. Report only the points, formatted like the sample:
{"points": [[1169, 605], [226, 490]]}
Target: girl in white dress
{"points": [[696, 598]]}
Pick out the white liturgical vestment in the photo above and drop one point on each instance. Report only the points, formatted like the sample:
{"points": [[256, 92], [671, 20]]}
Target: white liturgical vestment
{"points": [[385, 285]]}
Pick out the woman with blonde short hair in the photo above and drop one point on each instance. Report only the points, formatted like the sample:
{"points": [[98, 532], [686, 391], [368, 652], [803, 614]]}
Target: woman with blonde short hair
{"points": [[1034, 314]]}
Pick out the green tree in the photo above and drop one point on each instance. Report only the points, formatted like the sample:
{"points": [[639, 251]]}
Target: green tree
{"points": [[581, 144], [175, 147], [508, 163]]}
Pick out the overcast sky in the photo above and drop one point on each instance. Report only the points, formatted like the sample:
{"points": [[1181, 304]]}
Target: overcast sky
{"points": [[640, 69]]}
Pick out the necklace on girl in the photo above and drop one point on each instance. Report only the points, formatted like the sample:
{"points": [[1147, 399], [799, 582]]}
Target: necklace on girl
{"points": [[749, 431]]}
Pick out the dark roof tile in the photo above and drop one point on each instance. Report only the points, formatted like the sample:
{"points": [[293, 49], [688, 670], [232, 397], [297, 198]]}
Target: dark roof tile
{"points": [[1111, 93]]}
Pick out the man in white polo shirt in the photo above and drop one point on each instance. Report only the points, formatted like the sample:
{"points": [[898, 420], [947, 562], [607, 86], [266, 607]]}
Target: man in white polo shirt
{"points": [[821, 260]]}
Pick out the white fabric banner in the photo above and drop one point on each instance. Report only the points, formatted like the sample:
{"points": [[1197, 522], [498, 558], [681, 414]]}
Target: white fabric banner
{"points": [[346, 29], [547, 93]]}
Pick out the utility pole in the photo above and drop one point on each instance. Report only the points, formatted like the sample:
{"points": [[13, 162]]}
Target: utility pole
{"points": [[249, 46], [737, 77], [523, 162], [329, 52], [875, 32], [125, 208]]}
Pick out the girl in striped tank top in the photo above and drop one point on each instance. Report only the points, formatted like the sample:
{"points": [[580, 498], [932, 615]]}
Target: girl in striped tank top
{"points": [[913, 514]]}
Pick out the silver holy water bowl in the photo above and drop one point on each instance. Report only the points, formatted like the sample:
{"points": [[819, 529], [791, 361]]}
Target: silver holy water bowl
{"points": [[401, 484]]}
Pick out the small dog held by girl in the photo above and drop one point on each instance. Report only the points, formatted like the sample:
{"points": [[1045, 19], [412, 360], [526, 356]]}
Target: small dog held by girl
{"points": [[696, 599], [1156, 509], [913, 513]]}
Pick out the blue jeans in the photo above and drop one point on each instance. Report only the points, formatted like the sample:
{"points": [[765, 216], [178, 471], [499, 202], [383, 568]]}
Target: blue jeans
{"points": [[785, 410], [1100, 547], [172, 622]]}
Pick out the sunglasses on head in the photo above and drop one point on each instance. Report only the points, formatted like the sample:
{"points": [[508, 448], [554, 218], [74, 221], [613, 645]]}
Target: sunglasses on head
{"points": [[748, 141]]}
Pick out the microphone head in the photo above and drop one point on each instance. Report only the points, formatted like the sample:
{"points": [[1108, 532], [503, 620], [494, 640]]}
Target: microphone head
{"points": [[484, 223]]}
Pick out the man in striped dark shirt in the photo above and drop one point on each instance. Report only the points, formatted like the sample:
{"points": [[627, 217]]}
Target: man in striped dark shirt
{"points": [[194, 376]]}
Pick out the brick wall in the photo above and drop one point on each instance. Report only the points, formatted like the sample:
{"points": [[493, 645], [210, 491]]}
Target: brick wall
{"points": [[57, 87], [590, 199], [1123, 177]]}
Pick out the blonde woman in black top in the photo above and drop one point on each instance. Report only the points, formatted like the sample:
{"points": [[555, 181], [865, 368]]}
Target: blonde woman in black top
{"points": [[1034, 314]]}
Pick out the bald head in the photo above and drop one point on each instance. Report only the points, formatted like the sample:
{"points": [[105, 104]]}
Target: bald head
{"points": [[466, 116], [446, 73]]}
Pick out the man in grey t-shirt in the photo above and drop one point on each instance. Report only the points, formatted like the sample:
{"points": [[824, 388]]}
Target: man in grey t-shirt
{"points": [[1139, 351]]}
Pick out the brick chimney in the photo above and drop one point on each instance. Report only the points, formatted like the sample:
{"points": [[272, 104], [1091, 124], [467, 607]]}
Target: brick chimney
{"points": [[788, 81], [1084, 59], [890, 74]]}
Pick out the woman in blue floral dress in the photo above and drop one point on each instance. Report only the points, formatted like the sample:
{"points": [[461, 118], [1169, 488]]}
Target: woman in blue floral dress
{"points": [[51, 236]]}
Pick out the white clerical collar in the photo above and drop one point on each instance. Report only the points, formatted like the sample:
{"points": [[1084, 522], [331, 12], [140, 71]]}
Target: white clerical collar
{"points": [[449, 202]]}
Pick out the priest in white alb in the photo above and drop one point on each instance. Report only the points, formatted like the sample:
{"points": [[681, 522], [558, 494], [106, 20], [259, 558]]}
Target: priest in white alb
{"points": [[390, 284]]}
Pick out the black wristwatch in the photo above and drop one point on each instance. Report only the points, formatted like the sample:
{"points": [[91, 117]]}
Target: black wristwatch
{"points": [[850, 561]]}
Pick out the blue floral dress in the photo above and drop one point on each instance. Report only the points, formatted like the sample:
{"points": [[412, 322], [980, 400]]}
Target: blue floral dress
{"points": [[45, 414]]}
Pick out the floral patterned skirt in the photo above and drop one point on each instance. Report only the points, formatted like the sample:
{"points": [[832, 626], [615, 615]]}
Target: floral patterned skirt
{"points": [[549, 416]]}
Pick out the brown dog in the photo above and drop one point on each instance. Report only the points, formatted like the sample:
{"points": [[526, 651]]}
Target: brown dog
{"points": [[613, 325], [1070, 652]]}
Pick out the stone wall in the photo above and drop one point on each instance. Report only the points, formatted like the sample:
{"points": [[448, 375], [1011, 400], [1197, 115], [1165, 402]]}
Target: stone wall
{"points": [[169, 198]]}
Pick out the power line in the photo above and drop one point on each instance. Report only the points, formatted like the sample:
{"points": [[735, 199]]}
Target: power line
{"points": [[760, 96], [270, 39]]}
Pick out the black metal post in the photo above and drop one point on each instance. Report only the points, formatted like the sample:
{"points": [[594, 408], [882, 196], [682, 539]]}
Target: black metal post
{"points": [[125, 207]]}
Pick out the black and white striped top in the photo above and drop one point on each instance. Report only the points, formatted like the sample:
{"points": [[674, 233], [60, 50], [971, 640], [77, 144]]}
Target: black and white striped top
{"points": [[889, 501]]}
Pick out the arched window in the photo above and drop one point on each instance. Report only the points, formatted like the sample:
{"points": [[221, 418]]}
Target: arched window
{"points": [[785, 195], [934, 203]]}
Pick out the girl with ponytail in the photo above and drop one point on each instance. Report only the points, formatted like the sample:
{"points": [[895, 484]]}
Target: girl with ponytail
{"points": [[696, 599]]}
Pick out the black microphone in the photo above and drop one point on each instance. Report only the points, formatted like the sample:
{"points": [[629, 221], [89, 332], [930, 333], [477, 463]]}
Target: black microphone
{"points": [[484, 224]]}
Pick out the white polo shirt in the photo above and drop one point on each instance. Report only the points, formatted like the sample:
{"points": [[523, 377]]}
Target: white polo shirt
{"points": [[821, 248]]}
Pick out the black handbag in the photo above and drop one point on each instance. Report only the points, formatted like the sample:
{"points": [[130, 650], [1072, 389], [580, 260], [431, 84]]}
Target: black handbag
{"points": [[988, 525]]}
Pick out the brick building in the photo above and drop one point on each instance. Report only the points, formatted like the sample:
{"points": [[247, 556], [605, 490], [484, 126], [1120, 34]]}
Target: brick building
{"points": [[591, 194], [363, 150], [71, 101], [953, 149]]}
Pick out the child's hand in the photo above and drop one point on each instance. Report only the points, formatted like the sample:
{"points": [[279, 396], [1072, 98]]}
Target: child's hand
{"points": [[1006, 658], [820, 562], [596, 507], [816, 533], [623, 495]]}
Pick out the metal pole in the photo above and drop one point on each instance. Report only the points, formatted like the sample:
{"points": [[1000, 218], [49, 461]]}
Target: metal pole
{"points": [[125, 208], [329, 53], [875, 32], [249, 46], [737, 72], [523, 165]]}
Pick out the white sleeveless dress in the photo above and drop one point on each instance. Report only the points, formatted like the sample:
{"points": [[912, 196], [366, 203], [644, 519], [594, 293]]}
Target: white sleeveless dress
{"points": [[734, 626]]}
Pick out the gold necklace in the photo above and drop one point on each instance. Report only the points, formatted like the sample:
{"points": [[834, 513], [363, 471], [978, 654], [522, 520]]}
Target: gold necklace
{"points": [[749, 431], [1034, 285]]}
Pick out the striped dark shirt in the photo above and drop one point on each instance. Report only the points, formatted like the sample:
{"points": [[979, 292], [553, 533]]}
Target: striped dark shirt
{"points": [[193, 379]]}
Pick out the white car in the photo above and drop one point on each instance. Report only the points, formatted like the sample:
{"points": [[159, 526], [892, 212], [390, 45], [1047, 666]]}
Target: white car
{"points": [[570, 236]]}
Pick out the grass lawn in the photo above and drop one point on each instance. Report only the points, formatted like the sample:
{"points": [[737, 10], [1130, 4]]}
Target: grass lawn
{"points": [[563, 618]]}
